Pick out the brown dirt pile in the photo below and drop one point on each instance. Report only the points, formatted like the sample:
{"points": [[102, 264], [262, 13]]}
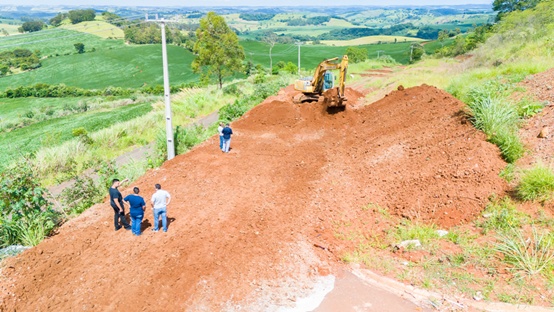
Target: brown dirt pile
{"points": [[244, 225], [541, 88]]}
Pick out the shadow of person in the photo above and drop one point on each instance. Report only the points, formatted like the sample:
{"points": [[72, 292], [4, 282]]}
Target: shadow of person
{"points": [[169, 221], [145, 224]]}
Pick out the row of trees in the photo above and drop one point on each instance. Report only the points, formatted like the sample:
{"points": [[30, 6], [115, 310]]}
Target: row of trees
{"points": [[316, 20], [75, 16], [150, 33], [256, 16]]}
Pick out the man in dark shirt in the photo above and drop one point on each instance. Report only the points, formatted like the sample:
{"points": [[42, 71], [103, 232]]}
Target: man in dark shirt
{"points": [[227, 131], [136, 210], [119, 212]]}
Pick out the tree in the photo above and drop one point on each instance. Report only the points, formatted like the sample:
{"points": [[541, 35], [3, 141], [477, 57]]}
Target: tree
{"points": [[79, 47], [31, 26], [218, 51], [356, 55], [416, 52], [77, 16], [271, 39], [505, 6], [57, 20], [443, 35]]}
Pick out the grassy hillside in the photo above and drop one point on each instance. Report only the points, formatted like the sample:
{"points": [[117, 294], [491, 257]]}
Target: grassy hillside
{"points": [[10, 26], [52, 42], [312, 55], [126, 66], [54, 132], [97, 28]]}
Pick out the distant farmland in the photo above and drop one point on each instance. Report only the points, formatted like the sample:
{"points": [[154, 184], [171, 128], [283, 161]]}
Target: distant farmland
{"points": [[370, 40], [110, 62]]}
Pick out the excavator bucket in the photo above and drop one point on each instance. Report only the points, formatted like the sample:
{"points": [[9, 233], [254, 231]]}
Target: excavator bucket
{"points": [[332, 98]]}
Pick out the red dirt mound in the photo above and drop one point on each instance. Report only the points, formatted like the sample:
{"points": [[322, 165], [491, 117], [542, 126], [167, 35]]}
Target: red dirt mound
{"points": [[541, 148], [246, 226]]}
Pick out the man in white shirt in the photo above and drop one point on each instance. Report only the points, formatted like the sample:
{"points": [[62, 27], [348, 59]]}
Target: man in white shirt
{"points": [[159, 201], [220, 132]]}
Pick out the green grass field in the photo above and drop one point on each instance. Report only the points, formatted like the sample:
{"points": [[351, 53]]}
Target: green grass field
{"points": [[56, 131], [9, 27], [119, 65], [312, 55], [14, 108], [370, 40], [57, 41], [126, 66], [97, 28]]}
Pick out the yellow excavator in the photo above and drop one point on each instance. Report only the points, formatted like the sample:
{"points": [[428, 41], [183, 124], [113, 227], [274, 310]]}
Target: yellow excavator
{"points": [[322, 83]]}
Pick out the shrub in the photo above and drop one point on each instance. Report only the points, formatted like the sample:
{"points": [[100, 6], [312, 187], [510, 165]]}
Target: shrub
{"points": [[26, 217], [107, 172], [82, 134], [536, 183], [232, 89], [81, 195], [230, 112], [356, 55], [186, 138]]}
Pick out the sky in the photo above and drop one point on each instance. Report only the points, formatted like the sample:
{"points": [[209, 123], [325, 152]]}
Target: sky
{"points": [[184, 3]]}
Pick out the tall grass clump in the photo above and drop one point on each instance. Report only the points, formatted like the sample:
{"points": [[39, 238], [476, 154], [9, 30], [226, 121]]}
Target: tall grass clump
{"points": [[531, 255], [493, 114], [536, 183]]}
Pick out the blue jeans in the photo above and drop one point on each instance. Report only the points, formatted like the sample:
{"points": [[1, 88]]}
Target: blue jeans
{"points": [[163, 213], [221, 142], [135, 223], [226, 145]]}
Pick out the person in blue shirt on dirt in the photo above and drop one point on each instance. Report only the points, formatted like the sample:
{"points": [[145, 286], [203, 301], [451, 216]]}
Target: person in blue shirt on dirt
{"points": [[119, 211], [227, 131], [136, 210]]}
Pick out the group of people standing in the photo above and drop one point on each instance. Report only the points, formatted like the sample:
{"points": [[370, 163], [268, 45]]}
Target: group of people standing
{"points": [[137, 206], [159, 201], [224, 137]]}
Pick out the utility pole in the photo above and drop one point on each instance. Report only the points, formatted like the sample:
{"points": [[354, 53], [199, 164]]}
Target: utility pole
{"points": [[167, 90], [298, 43]]}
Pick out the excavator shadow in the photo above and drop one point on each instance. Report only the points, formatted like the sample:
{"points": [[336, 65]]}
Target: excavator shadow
{"points": [[335, 109]]}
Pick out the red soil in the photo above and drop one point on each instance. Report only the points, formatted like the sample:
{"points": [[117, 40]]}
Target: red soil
{"points": [[541, 88], [252, 228]]}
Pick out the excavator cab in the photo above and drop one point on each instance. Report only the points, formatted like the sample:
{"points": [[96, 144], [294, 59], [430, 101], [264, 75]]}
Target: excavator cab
{"points": [[323, 83], [328, 81]]}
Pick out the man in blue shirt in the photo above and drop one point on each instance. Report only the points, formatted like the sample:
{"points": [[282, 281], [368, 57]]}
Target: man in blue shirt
{"points": [[137, 205], [227, 131]]}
